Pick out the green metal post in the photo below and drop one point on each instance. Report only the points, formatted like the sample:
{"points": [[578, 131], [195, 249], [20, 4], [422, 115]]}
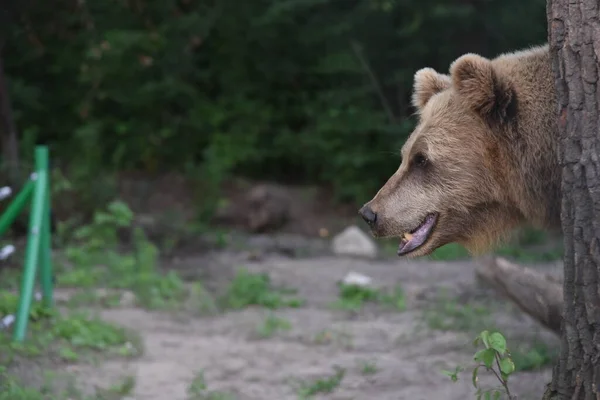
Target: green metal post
{"points": [[16, 206], [32, 251], [41, 156]]}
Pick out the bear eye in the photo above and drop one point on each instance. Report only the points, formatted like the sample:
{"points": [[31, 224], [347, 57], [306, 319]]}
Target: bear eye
{"points": [[420, 160]]}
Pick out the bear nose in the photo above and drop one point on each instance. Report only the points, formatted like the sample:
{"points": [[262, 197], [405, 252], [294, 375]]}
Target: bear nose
{"points": [[368, 215]]}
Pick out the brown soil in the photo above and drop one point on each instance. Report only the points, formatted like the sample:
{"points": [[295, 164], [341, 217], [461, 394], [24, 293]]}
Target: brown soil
{"points": [[407, 354]]}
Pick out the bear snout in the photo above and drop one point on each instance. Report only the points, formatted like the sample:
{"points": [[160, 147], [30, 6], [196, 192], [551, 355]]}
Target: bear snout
{"points": [[368, 215]]}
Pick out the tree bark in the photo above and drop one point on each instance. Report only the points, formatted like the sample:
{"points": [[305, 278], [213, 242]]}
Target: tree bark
{"points": [[537, 294], [574, 36]]}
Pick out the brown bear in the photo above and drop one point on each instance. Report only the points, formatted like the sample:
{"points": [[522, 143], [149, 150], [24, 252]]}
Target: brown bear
{"points": [[482, 160]]}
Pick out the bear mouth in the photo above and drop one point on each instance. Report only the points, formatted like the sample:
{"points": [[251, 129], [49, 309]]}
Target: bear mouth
{"points": [[417, 237]]}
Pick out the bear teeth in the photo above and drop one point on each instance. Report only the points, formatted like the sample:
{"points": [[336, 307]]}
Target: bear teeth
{"points": [[408, 236]]}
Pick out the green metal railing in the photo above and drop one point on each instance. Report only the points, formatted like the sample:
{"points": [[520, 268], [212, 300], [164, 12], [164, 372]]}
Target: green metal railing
{"points": [[37, 253]]}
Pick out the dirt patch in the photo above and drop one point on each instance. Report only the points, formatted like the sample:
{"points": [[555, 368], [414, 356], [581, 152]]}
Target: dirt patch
{"points": [[367, 354]]}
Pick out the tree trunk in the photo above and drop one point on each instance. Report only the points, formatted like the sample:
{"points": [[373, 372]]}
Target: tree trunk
{"points": [[574, 36], [537, 294]]}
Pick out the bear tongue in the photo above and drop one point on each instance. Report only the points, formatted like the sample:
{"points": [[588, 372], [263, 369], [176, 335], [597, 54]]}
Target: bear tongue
{"points": [[417, 238]]}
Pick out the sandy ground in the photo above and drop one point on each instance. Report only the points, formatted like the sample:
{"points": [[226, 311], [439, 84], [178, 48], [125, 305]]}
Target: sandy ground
{"points": [[408, 356]]}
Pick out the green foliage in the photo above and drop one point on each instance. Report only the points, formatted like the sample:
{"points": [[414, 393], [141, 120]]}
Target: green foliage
{"points": [[271, 325], [266, 88], [368, 368], [92, 333], [95, 258], [322, 385], [494, 357], [353, 297], [9, 305], [248, 289], [10, 389], [450, 315], [198, 390], [70, 338]]}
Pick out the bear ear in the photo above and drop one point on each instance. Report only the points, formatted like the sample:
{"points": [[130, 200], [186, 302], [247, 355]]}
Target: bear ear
{"points": [[483, 90], [428, 82]]}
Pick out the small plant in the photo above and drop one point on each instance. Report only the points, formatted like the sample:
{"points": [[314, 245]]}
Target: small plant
{"points": [[368, 367], [96, 259], [9, 303], [322, 385], [82, 331], [201, 300], [495, 358], [249, 289], [123, 388], [10, 389], [271, 325], [353, 297], [198, 390], [69, 338], [449, 315]]}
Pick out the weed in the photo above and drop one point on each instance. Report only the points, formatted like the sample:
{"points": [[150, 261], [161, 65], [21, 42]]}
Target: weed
{"points": [[198, 390], [9, 304], [10, 389], [271, 325], [95, 259], [368, 367], [125, 386], [201, 300], [249, 289], [82, 332], [495, 358], [353, 297], [449, 315], [69, 338], [322, 385]]}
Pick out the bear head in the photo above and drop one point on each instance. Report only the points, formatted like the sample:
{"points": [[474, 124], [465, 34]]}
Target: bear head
{"points": [[452, 184]]}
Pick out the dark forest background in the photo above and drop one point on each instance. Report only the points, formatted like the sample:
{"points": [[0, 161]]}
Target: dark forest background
{"points": [[294, 91]]}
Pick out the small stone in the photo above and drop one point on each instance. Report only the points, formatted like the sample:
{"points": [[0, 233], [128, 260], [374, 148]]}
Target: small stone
{"points": [[127, 299], [353, 241], [356, 279]]}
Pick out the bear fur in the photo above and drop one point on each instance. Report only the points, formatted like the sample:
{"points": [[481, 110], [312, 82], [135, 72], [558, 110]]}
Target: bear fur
{"points": [[482, 160]]}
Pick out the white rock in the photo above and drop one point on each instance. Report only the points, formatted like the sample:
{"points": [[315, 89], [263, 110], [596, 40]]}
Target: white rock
{"points": [[353, 241], [354, 278]]}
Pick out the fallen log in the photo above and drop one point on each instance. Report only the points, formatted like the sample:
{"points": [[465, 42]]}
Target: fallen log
{"points": [[537, 294]]}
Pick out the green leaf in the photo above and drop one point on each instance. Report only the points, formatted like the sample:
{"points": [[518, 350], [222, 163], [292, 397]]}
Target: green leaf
{"points": [[497, 395], [474, 377], [507, 366], [488, 396], [498, 342], [453, 374], [486, 357], [485, 337]]}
